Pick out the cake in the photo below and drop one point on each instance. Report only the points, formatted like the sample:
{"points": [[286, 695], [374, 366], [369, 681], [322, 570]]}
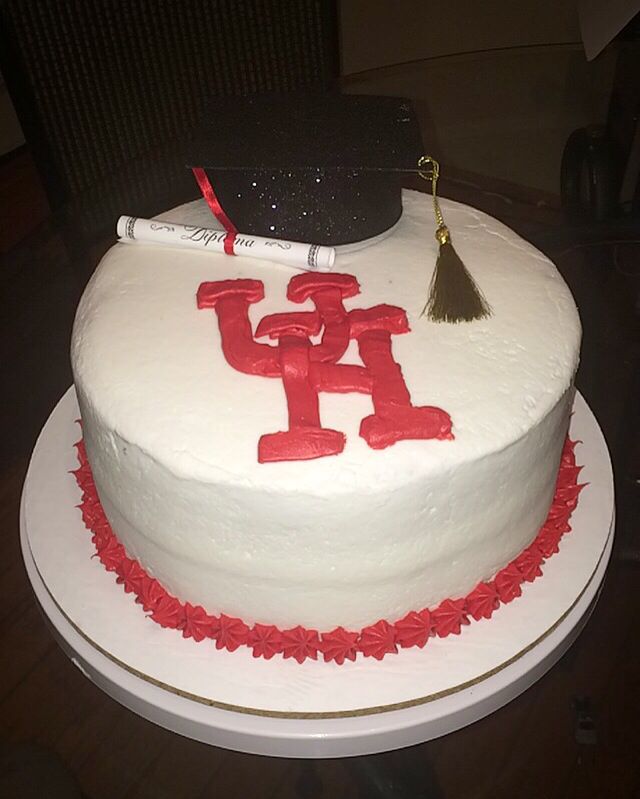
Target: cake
{"points": [[256, 473], [172, 433]]}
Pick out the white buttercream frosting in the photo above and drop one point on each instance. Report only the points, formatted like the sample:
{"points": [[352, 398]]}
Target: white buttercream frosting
{"points": [[172, 430]]}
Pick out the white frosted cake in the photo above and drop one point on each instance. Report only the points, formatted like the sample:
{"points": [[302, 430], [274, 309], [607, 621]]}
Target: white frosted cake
{"points": [[378, 530]]}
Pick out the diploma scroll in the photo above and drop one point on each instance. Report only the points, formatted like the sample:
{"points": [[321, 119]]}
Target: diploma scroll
{"points": [[310, 257]]}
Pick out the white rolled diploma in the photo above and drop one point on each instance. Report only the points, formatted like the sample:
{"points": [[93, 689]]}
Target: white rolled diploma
{"points": [[310, 257]]}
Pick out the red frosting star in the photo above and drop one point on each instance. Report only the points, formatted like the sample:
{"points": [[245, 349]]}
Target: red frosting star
{"points": [[482, 601], [568, 476], [265, 640], [92, 514], [231, 633], [299, 643], [449, 617], [102, 538], [339, 645], [508, 582], [528, 563], [414, 629], [82, 452], [112, 554], [130, 575], [548, 540], [568, 457], [198, 624], [83, 476], [377, 640], [151, 592], [168, 612]]}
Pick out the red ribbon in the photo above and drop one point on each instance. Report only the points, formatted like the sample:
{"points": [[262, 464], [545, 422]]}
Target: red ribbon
{"points": [[218, 211]]}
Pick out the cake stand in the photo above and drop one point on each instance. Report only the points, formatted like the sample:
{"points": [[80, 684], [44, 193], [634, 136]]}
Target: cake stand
{"points": [[313, 710]]}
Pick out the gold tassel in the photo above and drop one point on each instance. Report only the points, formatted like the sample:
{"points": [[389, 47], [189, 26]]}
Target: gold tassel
{"points": [[453, 294]]}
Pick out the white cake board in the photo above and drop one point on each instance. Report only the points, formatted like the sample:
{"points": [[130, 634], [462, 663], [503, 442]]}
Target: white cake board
{"points": [[316, 709]]}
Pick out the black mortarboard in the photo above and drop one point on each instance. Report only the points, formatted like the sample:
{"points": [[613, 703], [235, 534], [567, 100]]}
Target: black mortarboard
{"points": [[325, 169]]}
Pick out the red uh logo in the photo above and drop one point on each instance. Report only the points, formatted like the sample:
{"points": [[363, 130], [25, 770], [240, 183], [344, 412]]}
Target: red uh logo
{"points": [[306, 369]]}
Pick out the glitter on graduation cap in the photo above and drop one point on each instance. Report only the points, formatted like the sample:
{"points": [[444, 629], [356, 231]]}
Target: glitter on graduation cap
{"points": [[325, 169], [321, 168]]}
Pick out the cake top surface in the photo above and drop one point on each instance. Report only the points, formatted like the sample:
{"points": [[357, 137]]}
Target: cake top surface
{"points": [[152, 366]]}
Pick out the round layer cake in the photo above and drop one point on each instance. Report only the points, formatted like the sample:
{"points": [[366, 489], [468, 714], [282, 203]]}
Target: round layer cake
{"points": [[172, 427]]}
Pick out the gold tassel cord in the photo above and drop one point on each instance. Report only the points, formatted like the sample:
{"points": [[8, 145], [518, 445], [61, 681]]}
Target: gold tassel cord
{"points": [[453, 294]]}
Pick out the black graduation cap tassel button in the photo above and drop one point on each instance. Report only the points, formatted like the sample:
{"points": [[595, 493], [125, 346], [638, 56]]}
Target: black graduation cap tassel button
{"points": [[453, 294]]}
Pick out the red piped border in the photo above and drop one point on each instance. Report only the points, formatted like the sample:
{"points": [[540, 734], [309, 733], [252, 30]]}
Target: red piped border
{"points": [[298, 643]]}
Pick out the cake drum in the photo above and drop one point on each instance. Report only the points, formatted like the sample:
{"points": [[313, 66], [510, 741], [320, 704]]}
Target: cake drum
{"points": [[279, 707]]}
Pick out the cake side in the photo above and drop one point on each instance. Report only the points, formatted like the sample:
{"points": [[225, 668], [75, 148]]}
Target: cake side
{"points": [[172, 431], [289, 558], [339, 645]]}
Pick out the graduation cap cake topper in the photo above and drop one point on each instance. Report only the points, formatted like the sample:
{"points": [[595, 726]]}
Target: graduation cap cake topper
{"points": [[320, 168]]}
